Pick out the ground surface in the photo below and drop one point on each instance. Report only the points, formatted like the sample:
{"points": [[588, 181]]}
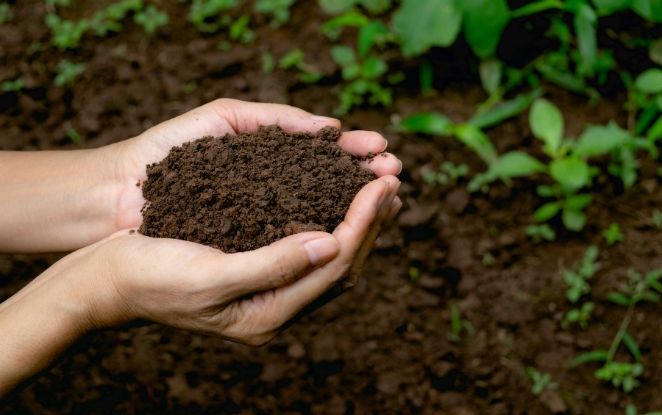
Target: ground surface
{"points": [[383, 347]]}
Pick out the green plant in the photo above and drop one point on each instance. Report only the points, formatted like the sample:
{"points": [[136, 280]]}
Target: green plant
{"points": [[5, 13], [448, 174], [459, 325], [656, 219], [578, 276], [278, 9], [209, 15], [240, 31], [414, 274], [295, 59], [540, 232], [363, 72], [67, 72], [66, 34], [151, 19], [645, 104], [541, 381], [74, 136], [579, 316], [109, 20], [620, 374], [14, 85], [613, 234]]}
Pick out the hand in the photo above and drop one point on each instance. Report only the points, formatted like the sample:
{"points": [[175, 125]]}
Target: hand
{"points": [[217, 118]]}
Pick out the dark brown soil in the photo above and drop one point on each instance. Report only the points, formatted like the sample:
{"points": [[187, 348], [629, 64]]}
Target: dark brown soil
{"points": [[382, 348], [241, 192]]}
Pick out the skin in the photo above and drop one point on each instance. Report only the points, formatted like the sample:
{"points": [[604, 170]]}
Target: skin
{"points": [[87, 201]]}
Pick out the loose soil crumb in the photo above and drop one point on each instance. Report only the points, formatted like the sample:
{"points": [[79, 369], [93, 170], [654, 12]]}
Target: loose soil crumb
{"points": [[241, 192]]}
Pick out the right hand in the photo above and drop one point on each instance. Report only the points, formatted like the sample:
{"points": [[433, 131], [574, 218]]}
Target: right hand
{"points": [[245, 297]]}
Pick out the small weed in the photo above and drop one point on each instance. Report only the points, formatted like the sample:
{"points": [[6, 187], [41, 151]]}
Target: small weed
{"points": [[459, 325], [12, 85], [278, 9], [656, 219], [151, 19], [541, 381], [414, 274], [295, 59], [448, 174], [67, 72], [209, 15], [639, 288], [613, 234], [630, 409], [542, 232], [66, 34], [5, 13], [240, 30], [621, 375], [74, 136], [577, 277], [579, 316]]}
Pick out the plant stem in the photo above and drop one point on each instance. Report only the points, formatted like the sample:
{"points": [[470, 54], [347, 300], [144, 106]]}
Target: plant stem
{"points": [[621, 333], [536, 8]]}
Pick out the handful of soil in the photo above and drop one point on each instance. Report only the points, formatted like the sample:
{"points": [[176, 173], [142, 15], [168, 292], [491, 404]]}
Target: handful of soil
{"points": [[241, 192]]}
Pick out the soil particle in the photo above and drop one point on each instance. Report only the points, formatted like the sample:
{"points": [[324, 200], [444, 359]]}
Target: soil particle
{"points": [[242, 192]]}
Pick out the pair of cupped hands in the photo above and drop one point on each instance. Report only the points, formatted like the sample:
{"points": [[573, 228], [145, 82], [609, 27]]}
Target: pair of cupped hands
{"points": [[245, 297]]}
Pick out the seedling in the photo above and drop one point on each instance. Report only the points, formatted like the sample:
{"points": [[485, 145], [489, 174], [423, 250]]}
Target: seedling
{"points": [[278, 9], [14, 85], [5, 13], [151, 19], [578, 276], [541, 381], [414, 274], [448, 174], [209, 15], [579, 316], [372, 6], [656, 219], [613, 234], [539, 233], [240, 31], [295, 59], [66, 34], [74, 136], [630, 409], [67, 72], [459, 326], [639, 288]]}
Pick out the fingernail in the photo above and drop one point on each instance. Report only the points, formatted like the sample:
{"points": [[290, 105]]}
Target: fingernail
{"points": [[385, 145], [395, 208], [323, 119], [400, 170], [322, 250]]}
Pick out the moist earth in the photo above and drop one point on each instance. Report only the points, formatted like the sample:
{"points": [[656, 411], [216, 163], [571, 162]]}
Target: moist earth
{"points": [[241, 192]]}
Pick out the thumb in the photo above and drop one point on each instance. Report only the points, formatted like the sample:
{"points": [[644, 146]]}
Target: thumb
{"points": [[278, 264]]}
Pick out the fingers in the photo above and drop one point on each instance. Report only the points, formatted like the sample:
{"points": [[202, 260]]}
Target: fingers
{"points": [[361, 143], [248, 116], [370, 206], [384, 164], [276, 265]]}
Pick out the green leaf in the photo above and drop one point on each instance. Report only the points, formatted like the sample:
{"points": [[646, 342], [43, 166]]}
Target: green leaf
{"points": [[585, 22], [373, 68], [369, 34], [611, 6], [571, 173], [573, 220], [490, 75], [655, 132], [333, 28], [421, 24], [503, 111], [546, 211], [428, 123], [632, 346], [514, 164], [376, 6], [650, 81], [484, 21], [477, 141], [547, 124], [650, 9], [594, 356], [343, 55], [619, 299], [578, 202], [655, 51], [598, 140]]}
